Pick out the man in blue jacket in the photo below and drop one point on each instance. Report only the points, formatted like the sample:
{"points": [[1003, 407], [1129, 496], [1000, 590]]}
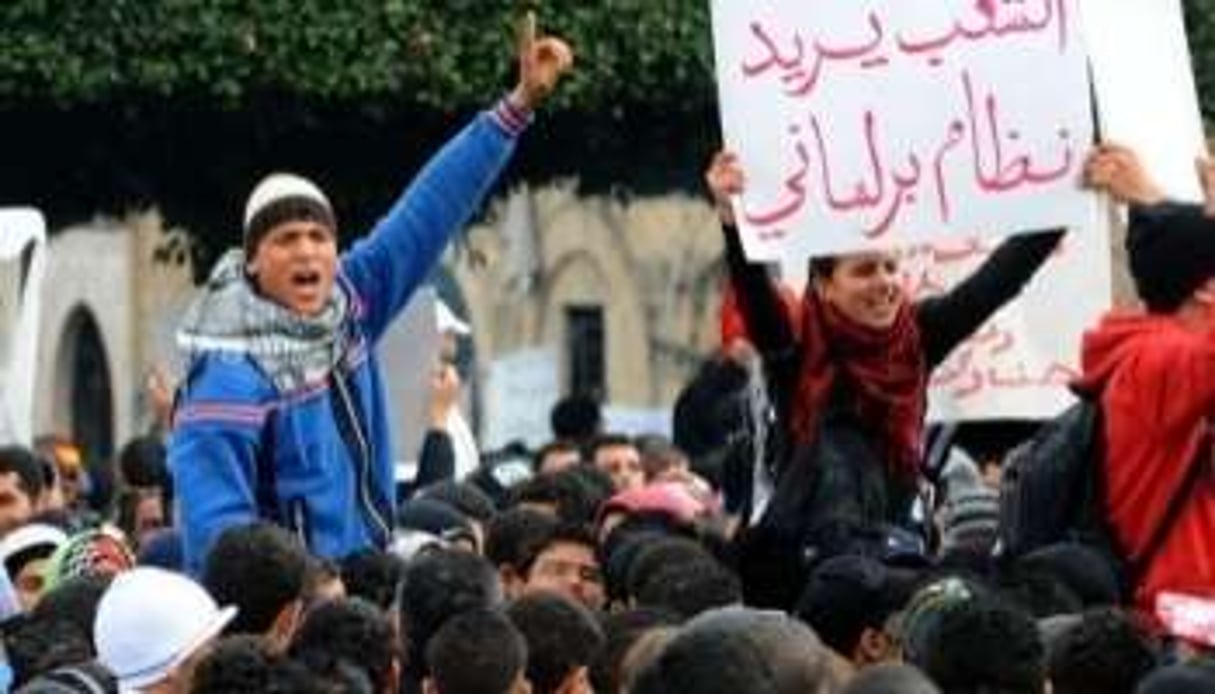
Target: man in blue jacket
{"points": [[282, 414]]}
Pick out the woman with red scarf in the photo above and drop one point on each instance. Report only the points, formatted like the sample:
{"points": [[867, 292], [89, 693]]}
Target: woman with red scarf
{"points": [[847, 372]]}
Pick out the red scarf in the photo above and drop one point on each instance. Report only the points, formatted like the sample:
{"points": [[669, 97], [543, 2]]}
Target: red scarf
{"points": [[885, 370]]}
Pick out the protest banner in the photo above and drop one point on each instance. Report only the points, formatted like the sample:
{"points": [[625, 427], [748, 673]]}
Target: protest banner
{"points": [[890, 122]]}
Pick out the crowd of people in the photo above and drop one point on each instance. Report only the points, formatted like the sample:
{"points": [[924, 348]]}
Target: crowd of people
{"points": [[789, 537]]}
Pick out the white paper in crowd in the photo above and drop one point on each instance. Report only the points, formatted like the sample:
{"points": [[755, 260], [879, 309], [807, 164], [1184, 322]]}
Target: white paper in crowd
{"points": [[408, 353], [887, 122], [1140, 56], [638, 421], [22, 269], [1018, 365], [523, 387]]}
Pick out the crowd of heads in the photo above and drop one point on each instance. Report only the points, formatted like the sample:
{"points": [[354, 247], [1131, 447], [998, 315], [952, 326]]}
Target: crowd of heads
{"points": [[608, 568]]}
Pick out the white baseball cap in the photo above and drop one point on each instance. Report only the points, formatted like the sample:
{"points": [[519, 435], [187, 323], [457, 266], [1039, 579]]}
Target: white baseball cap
{"points": [[28, 537], [149, 621]]}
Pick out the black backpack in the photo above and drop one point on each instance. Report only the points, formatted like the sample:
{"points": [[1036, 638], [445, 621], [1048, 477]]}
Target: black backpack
{"points": [[1052, 492]]}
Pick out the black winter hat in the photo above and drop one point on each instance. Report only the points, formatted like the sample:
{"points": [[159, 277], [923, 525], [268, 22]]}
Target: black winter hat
{"points": [[1172, 252]]}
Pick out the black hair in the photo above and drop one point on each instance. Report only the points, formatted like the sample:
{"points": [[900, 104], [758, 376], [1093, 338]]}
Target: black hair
{"points": [[514, 537], [235, 664], [1042, 593], [554, 446], [476, 652], [373, 575], [465, 497], [353, 630], [890, 678], [575, 417], [662, 552], [561, 636], [621, 630], [572, 496], [562, 534], [260, 568], [24, 463], [983, 644], [74, 600], [437, 586], [36, 645], [142, 462], [691, 588], [1107, 651], [608, 440], [823, 266]]}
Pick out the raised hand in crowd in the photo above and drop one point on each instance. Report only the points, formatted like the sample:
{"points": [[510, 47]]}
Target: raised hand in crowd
{"points": [[1116, 169], [542, 62], [725, 180]]}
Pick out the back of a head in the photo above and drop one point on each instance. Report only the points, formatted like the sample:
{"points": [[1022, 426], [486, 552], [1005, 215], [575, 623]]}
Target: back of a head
{"points": [[142, 462], [437, 586], [983, 643], [1105, 651], [690, 589], [465, 497], [352, 630], [621, 631], [1171, 252], [740, 651], [373, 575], [847, 594], [75, 600], [890, 678], [258, 567], [1186, 678], [575, 417], [562, 637], [659, 554], [37, 644], [236, 664], [78, 678], [514, 537], [476, 652]]}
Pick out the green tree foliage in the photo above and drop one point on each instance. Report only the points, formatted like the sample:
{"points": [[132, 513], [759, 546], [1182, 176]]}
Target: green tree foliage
{"points": [[183, 103]]}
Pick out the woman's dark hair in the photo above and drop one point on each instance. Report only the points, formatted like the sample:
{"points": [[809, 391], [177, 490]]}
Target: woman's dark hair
{"points": [[822, 266]]}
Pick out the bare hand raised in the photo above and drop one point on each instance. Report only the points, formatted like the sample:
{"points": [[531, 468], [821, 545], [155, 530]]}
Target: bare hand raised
{"points": [[1116, 170], [542, 62], [725, 180]]}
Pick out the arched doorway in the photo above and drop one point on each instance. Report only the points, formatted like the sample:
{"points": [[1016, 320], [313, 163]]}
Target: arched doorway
{"points": [[83, 385]]}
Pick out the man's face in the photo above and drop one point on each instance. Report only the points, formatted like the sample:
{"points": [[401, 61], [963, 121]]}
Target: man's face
{"points": [[570, 569], [623, 464], [149, 515], [294, 265], [16, 506]]}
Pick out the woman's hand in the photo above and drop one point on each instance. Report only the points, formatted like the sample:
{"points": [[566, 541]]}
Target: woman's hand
{"points": [[725, 180]]}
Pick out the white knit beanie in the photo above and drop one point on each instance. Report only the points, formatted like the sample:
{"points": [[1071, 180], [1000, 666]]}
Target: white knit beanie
{"points": [[282, 197]]}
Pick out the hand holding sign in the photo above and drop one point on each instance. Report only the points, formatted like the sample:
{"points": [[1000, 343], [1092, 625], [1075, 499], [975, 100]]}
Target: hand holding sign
{"points": [[1115, 169], [542, 61], [725, 180]]}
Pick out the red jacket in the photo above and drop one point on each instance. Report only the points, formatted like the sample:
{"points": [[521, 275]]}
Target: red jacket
{"points": [[1158, 395]]}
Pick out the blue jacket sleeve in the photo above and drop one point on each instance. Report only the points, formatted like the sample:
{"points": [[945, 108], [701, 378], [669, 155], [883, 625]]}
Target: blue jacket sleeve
{"points": [[388, 264], [213, 453]]}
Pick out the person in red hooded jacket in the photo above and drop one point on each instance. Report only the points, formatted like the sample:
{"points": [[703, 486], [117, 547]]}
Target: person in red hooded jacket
{"points": [[1154, 372]]}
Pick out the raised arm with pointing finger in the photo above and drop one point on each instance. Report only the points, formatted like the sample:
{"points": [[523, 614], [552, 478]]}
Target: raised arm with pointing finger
{"points": [[282, 411]]}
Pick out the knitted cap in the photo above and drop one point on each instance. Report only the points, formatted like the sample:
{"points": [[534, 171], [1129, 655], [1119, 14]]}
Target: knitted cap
{"points": [[1171, 248], [283, 197]]}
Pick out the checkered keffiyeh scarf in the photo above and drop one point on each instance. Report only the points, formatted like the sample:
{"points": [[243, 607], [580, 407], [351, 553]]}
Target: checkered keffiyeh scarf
{"points": [[90, 553], [230, 317]]}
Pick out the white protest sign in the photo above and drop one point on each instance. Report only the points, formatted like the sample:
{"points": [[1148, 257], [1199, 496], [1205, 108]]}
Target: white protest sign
{"points": [[22, 268], [888, 122], [522, 389], [1019, 363], [1140, 56]]}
